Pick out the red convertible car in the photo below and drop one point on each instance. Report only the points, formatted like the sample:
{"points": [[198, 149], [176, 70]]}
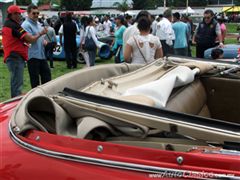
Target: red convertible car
{"points": [[173, 118]]}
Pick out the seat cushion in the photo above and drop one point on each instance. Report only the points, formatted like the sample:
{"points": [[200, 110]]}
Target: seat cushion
{"points": [[190, 99]]}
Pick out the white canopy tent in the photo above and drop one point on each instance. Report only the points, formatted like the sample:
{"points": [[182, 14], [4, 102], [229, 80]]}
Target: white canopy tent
{"points": [[188, 10]]}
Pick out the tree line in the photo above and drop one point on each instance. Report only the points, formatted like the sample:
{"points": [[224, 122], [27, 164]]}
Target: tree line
{"points": [[136, 4]]}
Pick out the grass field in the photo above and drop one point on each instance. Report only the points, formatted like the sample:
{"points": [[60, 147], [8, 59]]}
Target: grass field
{"points": [[232, 27], [60, 69]]}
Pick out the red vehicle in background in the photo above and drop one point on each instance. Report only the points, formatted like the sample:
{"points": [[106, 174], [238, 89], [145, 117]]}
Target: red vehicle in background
{"points": [[79, 135]]}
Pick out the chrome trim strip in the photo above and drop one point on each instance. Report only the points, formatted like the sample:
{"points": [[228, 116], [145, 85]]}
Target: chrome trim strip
{"points": [[13, 99], [209, 61], [116, 164], [224, 152]]}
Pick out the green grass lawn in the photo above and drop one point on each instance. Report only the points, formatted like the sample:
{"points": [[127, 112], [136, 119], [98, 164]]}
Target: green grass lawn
{"points": [[58, 70], [232, 27]]}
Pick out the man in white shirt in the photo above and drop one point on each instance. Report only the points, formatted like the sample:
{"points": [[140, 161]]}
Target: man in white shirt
{"points": [[154, 25], [133, 30], [166, 33], [99, 26], [107, 25]]}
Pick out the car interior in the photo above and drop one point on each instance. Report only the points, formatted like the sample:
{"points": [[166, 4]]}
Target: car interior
{"points": [[90, 104]]}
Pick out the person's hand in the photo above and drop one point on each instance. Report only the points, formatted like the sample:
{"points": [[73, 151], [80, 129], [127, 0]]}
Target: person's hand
{"points": [[45, 42], [193, 42], [221, 45], [44, 31]]}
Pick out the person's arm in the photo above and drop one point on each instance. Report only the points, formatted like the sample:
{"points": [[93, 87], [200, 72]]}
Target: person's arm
{"points": [[31, 39], [128, 53], [170, 35], [60, 39], [224, 32], [77, 29], [219, 35], [93, 34], [25, 33], [82, 36], [194, 35], [60, 32], [158, 52]]}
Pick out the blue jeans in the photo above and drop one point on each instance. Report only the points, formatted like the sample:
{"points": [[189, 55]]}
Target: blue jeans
{"points": [[16, 69]]}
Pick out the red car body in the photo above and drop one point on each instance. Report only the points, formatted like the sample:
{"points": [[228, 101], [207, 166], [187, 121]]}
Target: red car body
{"points": [[40, 155]]}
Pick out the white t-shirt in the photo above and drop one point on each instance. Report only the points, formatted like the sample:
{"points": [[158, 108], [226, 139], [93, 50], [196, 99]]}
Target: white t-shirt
{"points": [[164, 30], [148, 46], [107, 27]]}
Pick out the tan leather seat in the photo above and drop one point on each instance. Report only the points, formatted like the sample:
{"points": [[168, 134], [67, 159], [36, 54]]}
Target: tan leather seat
{"points": [[190, 100]]}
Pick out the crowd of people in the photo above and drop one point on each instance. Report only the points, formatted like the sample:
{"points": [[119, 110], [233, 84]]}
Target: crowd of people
{"points": [[142, 40]]}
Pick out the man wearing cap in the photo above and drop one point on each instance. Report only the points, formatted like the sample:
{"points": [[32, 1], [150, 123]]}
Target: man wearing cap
{"points": [[15, 47], [99, 26], [38, 67]]}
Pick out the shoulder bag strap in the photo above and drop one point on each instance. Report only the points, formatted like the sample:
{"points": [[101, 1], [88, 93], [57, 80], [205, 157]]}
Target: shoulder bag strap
{"points": [[140, 50]]}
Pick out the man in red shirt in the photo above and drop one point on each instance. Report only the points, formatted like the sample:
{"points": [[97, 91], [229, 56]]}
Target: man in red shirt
{"points": [[15, 46]]}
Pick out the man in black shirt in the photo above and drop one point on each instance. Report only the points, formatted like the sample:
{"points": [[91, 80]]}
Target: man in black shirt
{"points": [[69, 31], [206, 33]]}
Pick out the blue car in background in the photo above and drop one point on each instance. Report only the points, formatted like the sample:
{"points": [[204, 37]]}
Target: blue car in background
{"points": [[104, 52], [58, 52], [230, 51]]}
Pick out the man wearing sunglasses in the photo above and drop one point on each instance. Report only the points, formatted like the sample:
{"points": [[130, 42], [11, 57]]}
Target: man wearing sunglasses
{"points": [[15, 45], [206, 33], [38, 67]]}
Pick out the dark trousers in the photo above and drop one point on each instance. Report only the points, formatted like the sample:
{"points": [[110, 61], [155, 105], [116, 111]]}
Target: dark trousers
{"points": [[38, 68], [71, 56], [166, 48], [200, 48], [92, 57], [189, 49], [49, 52]]}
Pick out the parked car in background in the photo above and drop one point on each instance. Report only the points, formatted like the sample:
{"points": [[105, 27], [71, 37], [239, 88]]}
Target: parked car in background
{"points": [[58, 52], [230, 51], [104, 52]]}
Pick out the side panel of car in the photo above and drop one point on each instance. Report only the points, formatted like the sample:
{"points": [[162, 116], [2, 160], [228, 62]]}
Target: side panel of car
{"points": [[22, 164]]}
